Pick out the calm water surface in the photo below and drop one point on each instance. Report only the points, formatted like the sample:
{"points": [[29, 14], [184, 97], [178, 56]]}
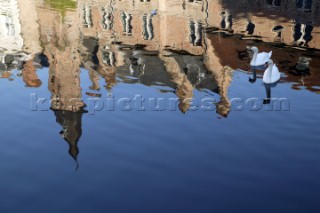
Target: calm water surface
{"points": [[95, 148]]}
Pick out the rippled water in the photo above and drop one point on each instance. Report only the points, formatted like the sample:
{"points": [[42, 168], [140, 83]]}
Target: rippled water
{"points": [[151, 109]]}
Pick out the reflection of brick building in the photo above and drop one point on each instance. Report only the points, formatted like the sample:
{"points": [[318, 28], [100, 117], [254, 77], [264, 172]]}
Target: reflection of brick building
{"points": [[291, 22], [145, 25], [301, 24], [29, 26], [138, 23], [178, 21], [61, 41], [115, 29], [60, 38], [179, 24]]}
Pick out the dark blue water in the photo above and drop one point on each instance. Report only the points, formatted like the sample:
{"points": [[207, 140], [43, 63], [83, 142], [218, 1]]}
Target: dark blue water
{"points": [[201, 160], [162, 161]]}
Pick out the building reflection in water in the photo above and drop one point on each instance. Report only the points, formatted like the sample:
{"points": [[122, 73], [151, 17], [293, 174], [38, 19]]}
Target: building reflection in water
{"points": [[60, 37], [62, 51], [183, 89], [180, 45]]}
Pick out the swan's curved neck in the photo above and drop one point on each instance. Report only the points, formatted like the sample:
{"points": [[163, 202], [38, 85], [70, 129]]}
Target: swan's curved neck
{"points": [[269, 71]]}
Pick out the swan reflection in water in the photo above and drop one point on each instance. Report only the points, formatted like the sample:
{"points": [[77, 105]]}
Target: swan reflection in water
{"points": [[71, 130], [268, 87]]}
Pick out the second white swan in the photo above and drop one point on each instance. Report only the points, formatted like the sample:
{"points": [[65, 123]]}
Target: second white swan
{"points": [[272, 74]]}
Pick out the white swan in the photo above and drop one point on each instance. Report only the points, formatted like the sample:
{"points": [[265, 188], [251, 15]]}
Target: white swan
{"points": [[272, 74], [259, 59]]}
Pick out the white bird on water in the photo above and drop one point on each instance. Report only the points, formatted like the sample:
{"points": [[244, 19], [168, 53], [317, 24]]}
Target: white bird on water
{"points": [[272, 74], [259, 59]]}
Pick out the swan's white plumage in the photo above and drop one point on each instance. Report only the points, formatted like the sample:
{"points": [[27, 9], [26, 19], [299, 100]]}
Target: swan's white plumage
{"points": [[259, 59], [272, 74]]}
